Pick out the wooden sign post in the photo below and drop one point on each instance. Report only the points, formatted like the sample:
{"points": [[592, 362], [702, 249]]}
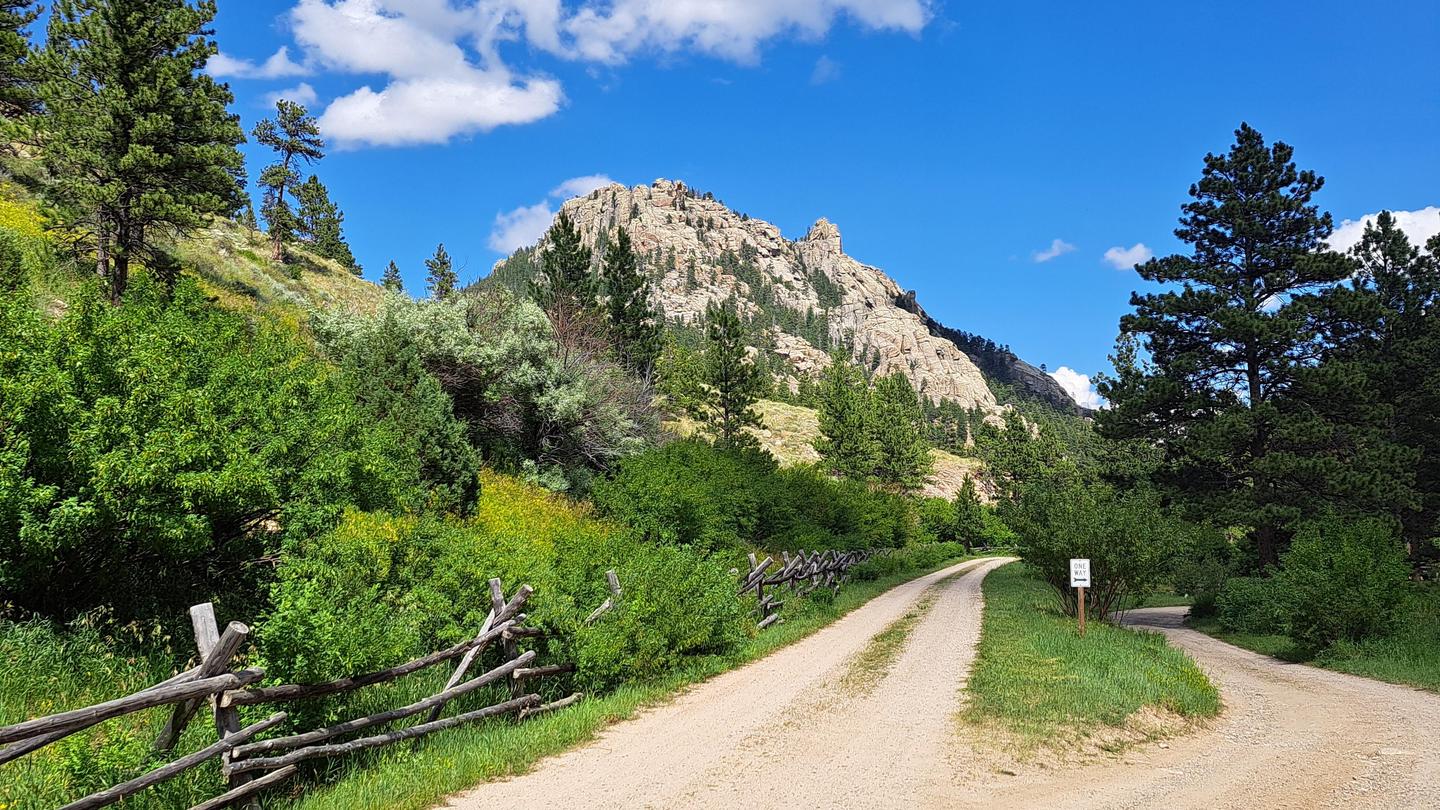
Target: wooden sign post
{"points": [[1080, 580]]}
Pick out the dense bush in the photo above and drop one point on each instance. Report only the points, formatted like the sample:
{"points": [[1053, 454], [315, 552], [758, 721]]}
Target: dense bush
{"points": [[917, 557], [1253, 605], [544, 400], [1128, 538], [147, 451], [692, 494], [1344, 580], [381, 589]]}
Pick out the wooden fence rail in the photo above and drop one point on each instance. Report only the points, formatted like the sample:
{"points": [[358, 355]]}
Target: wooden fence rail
{"points": [[243, 758]]}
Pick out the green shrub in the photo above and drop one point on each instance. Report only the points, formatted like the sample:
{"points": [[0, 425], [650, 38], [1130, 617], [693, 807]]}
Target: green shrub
{"points": [[148, 451], [690, 493], [917, 557], [12, 269], [1345, 580], [379, 590], [1128, 538], [1253, 605]]}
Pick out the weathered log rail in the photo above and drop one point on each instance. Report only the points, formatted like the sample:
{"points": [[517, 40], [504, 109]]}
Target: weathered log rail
{"points": [[250, 765], [800, 574]]}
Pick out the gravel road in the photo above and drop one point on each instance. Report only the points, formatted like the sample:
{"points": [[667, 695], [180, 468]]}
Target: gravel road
{"points": [[792, 731]]}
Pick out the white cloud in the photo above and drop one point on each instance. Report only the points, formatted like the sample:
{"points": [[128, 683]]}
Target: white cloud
{"points": [[442, 74], [301, 93], [1058, 247], [523, 226], [1123, 258], [1419, 225], [1079, 387], [826, 70], [278, 66], [580, 186]]}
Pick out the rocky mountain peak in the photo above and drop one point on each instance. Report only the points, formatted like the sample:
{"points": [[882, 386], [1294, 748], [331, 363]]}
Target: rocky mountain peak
{"points": [[811, 297]]}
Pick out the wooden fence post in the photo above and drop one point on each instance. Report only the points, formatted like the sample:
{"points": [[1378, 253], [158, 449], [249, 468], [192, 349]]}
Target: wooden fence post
{"points": [[227, 717]]}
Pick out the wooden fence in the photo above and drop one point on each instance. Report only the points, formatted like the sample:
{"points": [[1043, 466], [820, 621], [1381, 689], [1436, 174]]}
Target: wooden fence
{"points": [[799, 574], [251, 765]]}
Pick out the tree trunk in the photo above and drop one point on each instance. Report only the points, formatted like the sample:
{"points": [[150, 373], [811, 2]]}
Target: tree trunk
{"points": [[120, 277], [1266, 547]]}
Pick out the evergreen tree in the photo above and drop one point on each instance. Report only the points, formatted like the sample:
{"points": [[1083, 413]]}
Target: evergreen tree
{"points": [[564, 279], [110, 71], [319, 222], [1227, 342], [441, 281], [1390, 335], [295, 136], [898, 431], [391, 280], [846, 444], [732, 383], [633, 320], [17, 95], [969, 514], [247, 216]]}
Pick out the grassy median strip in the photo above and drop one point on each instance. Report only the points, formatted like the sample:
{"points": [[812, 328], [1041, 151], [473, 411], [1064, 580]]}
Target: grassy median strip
{"points": [[1035, 678], [454, 760]]}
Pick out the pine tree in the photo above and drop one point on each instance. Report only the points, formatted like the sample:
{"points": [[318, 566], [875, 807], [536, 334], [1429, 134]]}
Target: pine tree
{"points": [[442, 280], [319, 222], [110, 70], [247, 217], [1227, 341], [564, 279], [732, 384], [898, 430], [1391, 339], [17, 94], [846, 445], [633, 319], [391, 279], [969, 514], [295, 136]]}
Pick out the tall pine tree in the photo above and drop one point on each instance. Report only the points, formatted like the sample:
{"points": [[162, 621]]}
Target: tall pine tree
{"points": [[564, 278], [1227, 340], [17, 95], [633, 319], [441, 281], [898, 427], [732, 384], [138, 139], [846, 444], [391, 279], [294, 136], [319, 222]]}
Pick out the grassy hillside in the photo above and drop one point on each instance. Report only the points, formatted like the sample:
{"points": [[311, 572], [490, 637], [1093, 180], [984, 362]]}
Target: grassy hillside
{"points": [[789, 433], [233, 265]]}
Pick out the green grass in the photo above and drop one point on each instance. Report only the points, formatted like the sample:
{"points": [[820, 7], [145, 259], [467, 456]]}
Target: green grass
{"points": [[1035, 678], [1411, 656], [399, 777]]}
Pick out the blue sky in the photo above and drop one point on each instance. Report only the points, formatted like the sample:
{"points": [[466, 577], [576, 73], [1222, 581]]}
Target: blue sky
{"points": [[989, 155]]}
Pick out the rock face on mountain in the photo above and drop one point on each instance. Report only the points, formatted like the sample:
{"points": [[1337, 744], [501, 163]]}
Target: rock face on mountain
{"points": [[816, 298], [999, 362]]}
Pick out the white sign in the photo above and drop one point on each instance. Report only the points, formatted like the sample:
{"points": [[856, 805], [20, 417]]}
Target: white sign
{"points": [[1079, 573]]}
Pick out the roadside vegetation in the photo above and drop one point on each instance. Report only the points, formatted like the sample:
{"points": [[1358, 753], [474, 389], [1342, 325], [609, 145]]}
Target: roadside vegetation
{"points": [[1036, 679]]}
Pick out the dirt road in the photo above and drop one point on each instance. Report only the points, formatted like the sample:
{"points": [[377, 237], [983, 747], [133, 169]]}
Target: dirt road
{"points": [[792, 730], [783, 731], [1292, 736]]}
